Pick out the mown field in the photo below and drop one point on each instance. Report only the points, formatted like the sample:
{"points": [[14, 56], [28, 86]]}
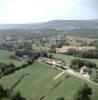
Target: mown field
{"points": [[39, 82], [5, 58]]}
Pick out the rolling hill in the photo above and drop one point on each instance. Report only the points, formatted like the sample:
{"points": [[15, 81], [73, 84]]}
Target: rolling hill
{"points": [[54, 24]]}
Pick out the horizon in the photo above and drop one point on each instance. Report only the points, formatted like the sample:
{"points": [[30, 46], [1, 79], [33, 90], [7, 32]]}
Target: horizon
{"points": [[31, 11], [47, 21]]}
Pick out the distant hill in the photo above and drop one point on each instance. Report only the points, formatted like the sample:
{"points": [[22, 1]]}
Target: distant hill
{"points": [[55, 24]]}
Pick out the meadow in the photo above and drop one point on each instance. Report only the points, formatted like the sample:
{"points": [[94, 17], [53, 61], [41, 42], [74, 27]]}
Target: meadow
{"points": [[5, 58], [39, 82]]}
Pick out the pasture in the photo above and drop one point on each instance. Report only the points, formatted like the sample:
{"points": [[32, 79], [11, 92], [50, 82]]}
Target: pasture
{"points": [[39, 83], [5, 58]]}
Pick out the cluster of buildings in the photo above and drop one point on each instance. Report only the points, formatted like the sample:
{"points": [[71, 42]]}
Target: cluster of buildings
{"points": [[84, 70], [65, 49], [58, 63]]}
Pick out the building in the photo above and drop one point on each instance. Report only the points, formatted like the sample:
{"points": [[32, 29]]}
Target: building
{"points": [[87, 48], [84, 70], [65, 49]]}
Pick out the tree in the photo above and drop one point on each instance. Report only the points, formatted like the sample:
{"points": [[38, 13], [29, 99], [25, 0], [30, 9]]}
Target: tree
{"points": [[12, 65], [76, 64], [72, 52], [17, 96], [89, 54], [52, 49], [83, 93], [60, 98], [96, 76], [28, 47], [50, 56], [43, 54], [1, 91]]}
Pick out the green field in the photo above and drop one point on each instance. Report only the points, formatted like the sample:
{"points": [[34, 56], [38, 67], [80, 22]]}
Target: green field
{"points": [[74, 40], [40, 83], [4, 57]]}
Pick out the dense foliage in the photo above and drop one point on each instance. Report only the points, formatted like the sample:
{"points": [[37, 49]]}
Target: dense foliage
{"points": [[76, 64], [9, 94], [83, 93]]}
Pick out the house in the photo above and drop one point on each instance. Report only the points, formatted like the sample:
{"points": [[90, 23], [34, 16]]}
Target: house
{"points": [[65, 49], [85, 70], [70, 38], [86, 48]]}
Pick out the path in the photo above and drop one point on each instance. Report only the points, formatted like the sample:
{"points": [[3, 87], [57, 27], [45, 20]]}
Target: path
{"points": [[58, 75]]}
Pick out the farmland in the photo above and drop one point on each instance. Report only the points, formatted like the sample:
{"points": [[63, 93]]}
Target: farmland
{"points": [[39, 82], [5, 57]]}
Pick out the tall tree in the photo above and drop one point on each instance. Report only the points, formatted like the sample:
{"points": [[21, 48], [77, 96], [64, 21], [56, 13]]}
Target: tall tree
{"points": [[84, 93]]}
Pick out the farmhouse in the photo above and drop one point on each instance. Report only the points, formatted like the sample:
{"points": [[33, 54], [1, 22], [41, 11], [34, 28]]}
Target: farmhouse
{"points": [[65, 49], [86, 48], [85, 71], [53, 62]]}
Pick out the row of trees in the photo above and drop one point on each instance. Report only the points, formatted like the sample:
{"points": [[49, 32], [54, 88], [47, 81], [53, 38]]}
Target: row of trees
{"points": [[84, 54], [15, 46], [32, 55], [6, 69]]}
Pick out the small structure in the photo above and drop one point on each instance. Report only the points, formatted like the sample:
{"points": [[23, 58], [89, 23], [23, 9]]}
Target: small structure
{"points": [[85, 70]]}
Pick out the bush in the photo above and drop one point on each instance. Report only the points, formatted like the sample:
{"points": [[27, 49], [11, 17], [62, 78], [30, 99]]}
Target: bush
{"points": [[60, 98], [76, 64], [83, 93]]}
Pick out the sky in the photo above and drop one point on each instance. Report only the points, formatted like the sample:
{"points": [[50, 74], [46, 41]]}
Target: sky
{"points": [[32, 11]]}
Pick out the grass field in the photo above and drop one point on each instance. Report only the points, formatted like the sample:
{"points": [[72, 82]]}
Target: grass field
{"points": [[40, 83], [4, 57], [74, 40]]}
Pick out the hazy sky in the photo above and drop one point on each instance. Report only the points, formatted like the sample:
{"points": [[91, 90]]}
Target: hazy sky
{"points": [[28, 11]]}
